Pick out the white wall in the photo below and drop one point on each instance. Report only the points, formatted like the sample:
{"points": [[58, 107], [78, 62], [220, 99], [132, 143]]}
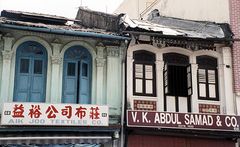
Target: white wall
{"points": [[223, 55], [205, 10], [133, 7]]}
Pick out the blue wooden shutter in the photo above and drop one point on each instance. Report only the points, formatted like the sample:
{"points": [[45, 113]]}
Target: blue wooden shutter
{"points": [[70, 82], [30, 73], [38, 80], [77, 76], [22, 82], [84, 90]]}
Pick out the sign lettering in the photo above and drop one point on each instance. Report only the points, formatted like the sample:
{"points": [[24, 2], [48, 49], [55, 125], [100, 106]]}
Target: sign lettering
{"points": [[54, 114], [183, 120]]}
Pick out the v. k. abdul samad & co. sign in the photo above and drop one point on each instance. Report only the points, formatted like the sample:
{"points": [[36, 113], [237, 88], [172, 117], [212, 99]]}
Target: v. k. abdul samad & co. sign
{"points": [[183, 120]]}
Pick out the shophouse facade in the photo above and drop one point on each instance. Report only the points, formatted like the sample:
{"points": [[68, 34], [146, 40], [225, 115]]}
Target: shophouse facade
{"points": [[225, 11], [61, 84], [179, 83]]}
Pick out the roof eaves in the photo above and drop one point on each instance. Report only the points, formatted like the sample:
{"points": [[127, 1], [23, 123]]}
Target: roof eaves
{"points": [[61, 31]]}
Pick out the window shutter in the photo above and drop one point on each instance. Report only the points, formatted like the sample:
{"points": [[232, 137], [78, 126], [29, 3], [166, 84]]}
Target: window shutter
{"points": [[212, 89], [189, 79], [84, 82]]}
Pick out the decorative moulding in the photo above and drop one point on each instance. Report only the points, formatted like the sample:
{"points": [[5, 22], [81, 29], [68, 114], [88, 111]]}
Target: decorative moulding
{"points": [[7, 55]]}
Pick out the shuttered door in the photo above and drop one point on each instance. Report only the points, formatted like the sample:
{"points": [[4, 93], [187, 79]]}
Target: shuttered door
{"points": [[30, 73], [165, 141], [77, 76]]}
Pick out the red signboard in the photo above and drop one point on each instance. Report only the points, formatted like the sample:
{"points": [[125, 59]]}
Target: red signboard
{"points": [[209, 108], [145, 105], [182, 120]]}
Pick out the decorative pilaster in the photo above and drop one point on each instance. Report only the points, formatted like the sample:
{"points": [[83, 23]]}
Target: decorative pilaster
{"points": [[221, 87], [56, 61], [1, 43], [101, 62], [194, 98], [113, 51], [129, 84], [114, 86], [7, 54], [228, 83], [123, 50], [159, 85], [8, 42], [100, 74]]}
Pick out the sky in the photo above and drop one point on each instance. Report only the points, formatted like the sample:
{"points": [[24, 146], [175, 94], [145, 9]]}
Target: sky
{"points": [[66, 8]]}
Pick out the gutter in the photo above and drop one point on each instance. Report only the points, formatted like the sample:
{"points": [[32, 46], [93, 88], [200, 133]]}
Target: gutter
{"points": [[53, 138], [178, 37], [125, 102], [64, 32]]}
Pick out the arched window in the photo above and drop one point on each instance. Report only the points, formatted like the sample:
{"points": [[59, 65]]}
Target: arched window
{"points": [[77, 75], [144, 74], [207, 78], [177, 75], [30, 73], [177, 80]]}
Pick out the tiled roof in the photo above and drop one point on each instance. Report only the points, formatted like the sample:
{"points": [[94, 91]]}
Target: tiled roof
{"points": [[178, 27]]}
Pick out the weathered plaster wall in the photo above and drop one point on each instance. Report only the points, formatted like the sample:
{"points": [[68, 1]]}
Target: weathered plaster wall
{"points": [[106, 67]]}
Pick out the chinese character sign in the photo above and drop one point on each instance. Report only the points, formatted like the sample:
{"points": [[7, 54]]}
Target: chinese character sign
{"points": [[54, 114]]}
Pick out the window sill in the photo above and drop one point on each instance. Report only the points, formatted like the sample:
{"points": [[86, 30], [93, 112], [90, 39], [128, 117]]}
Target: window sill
{"points": [[209, 99], [144, 97]]}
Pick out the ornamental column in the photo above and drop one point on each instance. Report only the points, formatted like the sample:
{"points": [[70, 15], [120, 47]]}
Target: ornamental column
{"points": [[114, 80], [100, 75], [56, 61], [194, 98], [6, 70], [159, 85], [228, 83]]}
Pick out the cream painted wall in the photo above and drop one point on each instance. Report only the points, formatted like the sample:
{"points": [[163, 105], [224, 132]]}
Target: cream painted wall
{"points": [[133, 7], [226, 98], [204, 10]]}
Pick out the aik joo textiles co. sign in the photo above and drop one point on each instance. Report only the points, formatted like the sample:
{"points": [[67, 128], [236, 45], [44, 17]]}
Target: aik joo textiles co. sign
{"points": [[183, 120], [54, 114]]}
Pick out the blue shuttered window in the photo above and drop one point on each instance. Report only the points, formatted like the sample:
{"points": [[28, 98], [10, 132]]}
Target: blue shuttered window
{"points": [[30, 73], [77, 76]]}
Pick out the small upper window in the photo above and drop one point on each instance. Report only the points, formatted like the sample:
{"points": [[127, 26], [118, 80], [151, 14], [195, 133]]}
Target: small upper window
{"points": [[144, 76], [84, 69], [207, 78], [38, 66], [24, 65], [71, 69]]}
